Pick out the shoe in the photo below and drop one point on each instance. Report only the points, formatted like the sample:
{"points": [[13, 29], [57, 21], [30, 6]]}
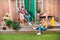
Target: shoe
{"points": [[38, 33], [34, 28], [29, 23]]}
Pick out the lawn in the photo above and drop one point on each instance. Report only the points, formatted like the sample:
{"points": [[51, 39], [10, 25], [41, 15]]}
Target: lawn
{"points": [[51, 36]]}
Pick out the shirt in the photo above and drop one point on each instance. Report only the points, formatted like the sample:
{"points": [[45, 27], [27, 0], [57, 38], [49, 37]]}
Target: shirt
{"points": [[23, 12], [21, 16]]}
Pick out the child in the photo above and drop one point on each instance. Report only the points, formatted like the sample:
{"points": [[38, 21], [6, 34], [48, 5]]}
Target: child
{"points": [[44, 23], [23, 11], [41, 27]]}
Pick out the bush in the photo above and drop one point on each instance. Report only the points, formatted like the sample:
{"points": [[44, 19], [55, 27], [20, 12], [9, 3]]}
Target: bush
{"points": [[15, 25], [8, 22]]}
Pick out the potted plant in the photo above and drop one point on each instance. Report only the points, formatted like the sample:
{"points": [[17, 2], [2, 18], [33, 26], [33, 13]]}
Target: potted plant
{"points": [[15, 25], [8, 22]]}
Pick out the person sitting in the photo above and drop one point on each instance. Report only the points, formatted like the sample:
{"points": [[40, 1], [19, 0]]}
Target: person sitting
{"points": [[42, 26], [23, 12], [44, 23]]}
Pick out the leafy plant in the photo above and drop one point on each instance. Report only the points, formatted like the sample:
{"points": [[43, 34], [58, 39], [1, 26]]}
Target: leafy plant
{"points": [[15, 25], [38, 11], [8, 22]]}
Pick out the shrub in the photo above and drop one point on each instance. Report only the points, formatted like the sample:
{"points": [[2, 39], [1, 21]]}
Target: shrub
{"points": [[15, 25], [8, 22]]}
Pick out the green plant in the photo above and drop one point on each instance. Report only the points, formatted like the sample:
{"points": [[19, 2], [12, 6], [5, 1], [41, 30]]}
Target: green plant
{"points": [[8, 22], [38, 11], [15, 25]]}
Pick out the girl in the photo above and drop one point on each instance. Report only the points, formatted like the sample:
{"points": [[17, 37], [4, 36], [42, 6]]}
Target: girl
{"points": [[42, 26], [23, 11]]}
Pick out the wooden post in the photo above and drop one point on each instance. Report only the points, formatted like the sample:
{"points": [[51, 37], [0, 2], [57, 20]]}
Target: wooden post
{"points": [[9, 2], [42, 5]]}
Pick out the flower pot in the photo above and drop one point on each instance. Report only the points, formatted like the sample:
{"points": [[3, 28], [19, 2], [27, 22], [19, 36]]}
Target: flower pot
{"points": [[8, 26], [14, 28]]}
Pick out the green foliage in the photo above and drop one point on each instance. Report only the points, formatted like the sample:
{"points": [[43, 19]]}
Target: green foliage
{"points": [[38, 11], [8, 22], [15, 25]]}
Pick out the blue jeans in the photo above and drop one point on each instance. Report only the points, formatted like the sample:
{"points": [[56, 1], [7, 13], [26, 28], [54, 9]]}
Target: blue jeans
{"points": [[28, 18], [40, 28]]}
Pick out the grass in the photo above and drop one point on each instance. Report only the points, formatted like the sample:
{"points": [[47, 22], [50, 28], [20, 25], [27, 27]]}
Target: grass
{"points": [[51, 36]]}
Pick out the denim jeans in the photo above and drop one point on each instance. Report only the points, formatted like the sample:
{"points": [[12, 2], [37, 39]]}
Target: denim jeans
{"points": [[40, 28], [28, 18]]}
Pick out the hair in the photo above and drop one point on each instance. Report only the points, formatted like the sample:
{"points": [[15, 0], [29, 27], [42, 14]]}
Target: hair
{"points": [[22, 7]]}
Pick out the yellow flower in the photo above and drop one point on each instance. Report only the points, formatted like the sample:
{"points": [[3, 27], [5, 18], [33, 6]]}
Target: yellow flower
{"points": [[7, 15]]}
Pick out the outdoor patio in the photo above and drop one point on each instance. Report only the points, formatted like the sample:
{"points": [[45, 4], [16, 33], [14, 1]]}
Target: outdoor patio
{"points": [[29, 29]]}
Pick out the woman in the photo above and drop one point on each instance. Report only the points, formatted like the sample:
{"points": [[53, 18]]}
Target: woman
{"points": [[42, 26], [23, 11]]}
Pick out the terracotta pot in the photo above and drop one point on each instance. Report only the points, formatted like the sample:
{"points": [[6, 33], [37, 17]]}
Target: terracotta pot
{"points": [[8, 26], [14, 28]]}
